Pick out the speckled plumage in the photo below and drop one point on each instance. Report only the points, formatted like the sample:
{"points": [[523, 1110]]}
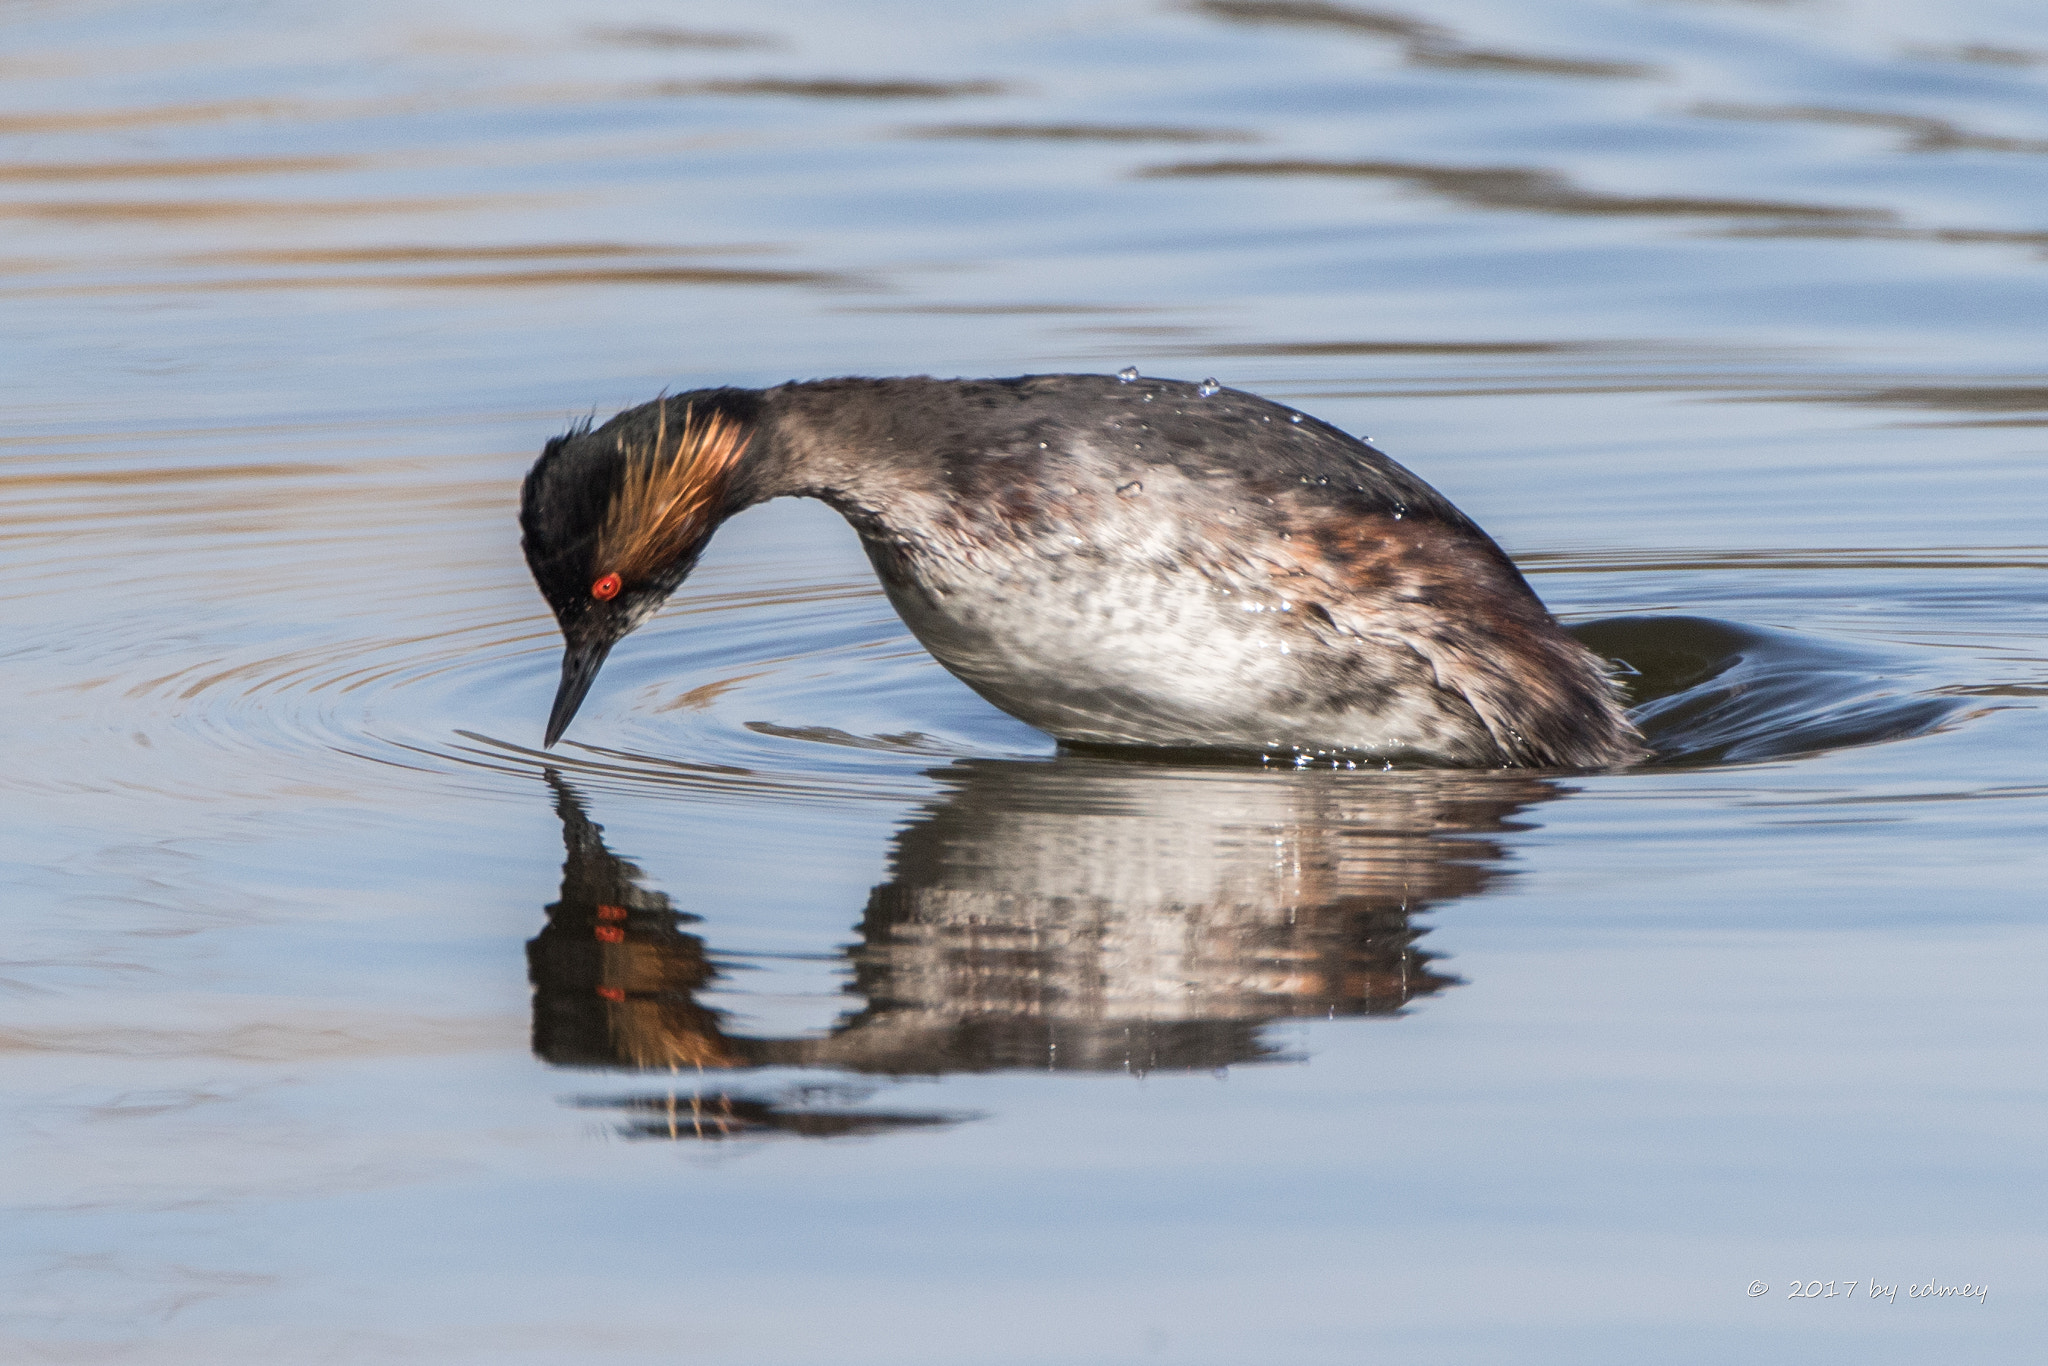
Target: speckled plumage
{"points": [[1127, 563]]}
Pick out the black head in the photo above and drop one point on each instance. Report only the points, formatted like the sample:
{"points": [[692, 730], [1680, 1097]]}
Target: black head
{"points": [[613, 520]]}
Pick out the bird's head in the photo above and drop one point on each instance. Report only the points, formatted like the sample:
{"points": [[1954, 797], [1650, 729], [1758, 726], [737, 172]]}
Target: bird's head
{"points": [[613, 520]]}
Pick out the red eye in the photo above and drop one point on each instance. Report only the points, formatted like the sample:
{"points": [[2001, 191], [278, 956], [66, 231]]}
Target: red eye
{"points": [[606, 588], [611, 993]]}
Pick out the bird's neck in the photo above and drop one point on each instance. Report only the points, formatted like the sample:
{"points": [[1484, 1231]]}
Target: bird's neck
{"points": [[848, 443]]}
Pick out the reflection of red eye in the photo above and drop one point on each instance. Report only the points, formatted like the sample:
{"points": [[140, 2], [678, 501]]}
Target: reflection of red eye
{"points": [[610, 934], [611, 993], [605, 588]]}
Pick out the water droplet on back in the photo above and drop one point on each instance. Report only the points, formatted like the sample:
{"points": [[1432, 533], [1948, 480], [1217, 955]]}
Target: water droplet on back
{"points": [[1207, 387], [1128, 374], [1295, 418]]}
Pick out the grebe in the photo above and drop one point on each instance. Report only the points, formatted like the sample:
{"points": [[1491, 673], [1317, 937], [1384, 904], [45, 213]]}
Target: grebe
{"points": [[1116, 560]]}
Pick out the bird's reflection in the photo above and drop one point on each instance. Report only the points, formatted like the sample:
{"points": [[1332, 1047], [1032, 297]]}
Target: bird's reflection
{"points": [[1078, 914], [615, 975]]}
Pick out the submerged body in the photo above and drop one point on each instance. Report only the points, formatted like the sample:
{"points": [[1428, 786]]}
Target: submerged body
{"points": [[1139, 562]]}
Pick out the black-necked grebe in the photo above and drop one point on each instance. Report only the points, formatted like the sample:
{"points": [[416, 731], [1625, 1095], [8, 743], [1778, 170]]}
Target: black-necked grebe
{"points": [[1118, 561]]}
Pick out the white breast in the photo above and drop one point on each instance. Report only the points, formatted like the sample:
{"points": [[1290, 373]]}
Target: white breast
{"points": [[1135, 623]]}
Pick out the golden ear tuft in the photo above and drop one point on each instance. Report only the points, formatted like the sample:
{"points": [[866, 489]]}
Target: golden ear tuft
{"points": [[664, 498]]}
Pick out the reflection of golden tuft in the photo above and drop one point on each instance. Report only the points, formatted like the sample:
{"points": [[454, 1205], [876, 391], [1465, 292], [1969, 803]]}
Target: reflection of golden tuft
{"points": [[649, 1014], [663, 501], [614, 974], [666, 1031], [670, 963]]}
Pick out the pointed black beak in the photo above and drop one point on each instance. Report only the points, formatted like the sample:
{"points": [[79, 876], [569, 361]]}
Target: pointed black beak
{"points": [[580, 663]]}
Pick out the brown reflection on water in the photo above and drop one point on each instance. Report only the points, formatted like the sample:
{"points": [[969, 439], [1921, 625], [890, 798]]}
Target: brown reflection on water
{"points": [[1080, 132], [1525, 63], [1082, 914], [2021, 237], [204, 210], [2018, 404], [1426, 43], [1011, 310], [89, 120], [534, 251], [461, 267], [668, 37], [305, 111], [829, 89], [1923, 133], [1397, 348], [475, 279], [1319, 14], [1520, 187], [1982, 54], [1953, 397], [172, 168]]}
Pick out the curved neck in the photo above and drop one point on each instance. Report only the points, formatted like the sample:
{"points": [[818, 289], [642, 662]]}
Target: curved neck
{"points": [[859, 445]]}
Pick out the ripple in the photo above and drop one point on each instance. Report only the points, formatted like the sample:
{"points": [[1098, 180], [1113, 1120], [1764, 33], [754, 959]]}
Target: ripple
{"points": [[1704, 691], [813, 693], [679, 715], [775, 678]]}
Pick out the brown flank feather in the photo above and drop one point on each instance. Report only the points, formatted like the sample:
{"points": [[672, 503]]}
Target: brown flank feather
{"points": [[663, 501]]}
